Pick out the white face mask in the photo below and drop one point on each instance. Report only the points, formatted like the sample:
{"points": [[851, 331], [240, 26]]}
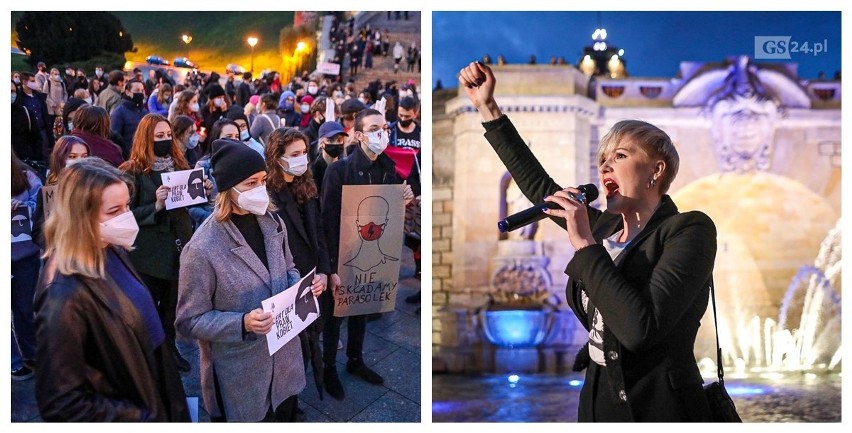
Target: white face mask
{"points": [[296, 165], [194, 107], [88, 100], [33, 85], [306, 108], [70, 162], [98, 72], [378, 141], [255, 200], [244, 135], [312, 90], [219, 102], [120, 230]]}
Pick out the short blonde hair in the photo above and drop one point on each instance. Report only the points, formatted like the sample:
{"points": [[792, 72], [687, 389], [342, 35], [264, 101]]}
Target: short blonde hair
{"points": [[653, 140], [72, 232]]}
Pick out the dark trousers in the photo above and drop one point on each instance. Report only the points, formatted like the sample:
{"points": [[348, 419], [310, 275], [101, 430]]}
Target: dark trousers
{"points": [[24, 278], [285, 412], [357, 328], [164, 293]]}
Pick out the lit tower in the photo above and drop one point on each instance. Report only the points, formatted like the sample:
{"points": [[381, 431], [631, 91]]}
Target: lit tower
{"points": [[602, 58]]}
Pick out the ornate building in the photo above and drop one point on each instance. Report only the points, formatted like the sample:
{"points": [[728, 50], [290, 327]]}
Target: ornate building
{"points": [[760, 154]]}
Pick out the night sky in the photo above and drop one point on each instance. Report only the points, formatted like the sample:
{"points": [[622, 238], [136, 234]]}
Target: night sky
{"points": [[654, 43]]}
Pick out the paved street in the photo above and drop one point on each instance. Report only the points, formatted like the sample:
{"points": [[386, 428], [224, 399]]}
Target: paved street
{"points": [[392, 348]]}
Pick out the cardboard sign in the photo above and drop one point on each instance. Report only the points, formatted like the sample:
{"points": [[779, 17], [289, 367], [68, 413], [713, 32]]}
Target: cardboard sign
{"points": [[292, 311], [371, 222], [22, 224], [48, 193], [187, 188], [329, 68]]}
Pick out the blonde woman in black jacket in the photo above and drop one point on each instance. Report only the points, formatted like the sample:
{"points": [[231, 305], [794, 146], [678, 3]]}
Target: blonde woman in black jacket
{"points": [[640, 276]]}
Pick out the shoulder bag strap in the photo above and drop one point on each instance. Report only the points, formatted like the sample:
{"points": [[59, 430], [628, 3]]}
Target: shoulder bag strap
{"points": [[720, 370]]}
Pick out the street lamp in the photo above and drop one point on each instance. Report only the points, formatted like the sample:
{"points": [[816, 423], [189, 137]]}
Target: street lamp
{"points": [[252, 41], [186, 40]]}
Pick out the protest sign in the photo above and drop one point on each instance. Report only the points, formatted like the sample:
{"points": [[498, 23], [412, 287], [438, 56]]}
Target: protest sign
{"points": [[22, 224], [186, 188], [371, 222], [329, 68], [292, 311], [48, 193]]}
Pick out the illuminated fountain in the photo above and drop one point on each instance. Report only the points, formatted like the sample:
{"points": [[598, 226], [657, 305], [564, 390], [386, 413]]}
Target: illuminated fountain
{"points": [[805, 337]]}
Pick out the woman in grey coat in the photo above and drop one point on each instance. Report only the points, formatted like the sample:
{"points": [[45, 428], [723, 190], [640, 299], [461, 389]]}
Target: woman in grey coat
{"points": [[237, 258]]}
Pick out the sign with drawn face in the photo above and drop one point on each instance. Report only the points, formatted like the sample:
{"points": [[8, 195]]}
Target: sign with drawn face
{"points": [[371, 231], [292, 311], [186, 188], [22, 225]]}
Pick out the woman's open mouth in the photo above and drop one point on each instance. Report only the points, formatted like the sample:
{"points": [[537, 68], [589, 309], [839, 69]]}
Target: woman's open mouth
{"points": [[610, 186]]}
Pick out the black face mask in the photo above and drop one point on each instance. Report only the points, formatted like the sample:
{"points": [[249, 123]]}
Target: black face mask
{"points": [[138, 99], [163, 147], [333, 150], [405, 123]]}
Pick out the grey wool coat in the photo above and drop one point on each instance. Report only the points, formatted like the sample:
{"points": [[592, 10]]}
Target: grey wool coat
{"points": [[221, 279]]}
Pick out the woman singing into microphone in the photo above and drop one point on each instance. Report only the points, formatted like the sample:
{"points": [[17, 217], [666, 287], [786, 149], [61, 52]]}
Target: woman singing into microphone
{"points": [[639, 280]]}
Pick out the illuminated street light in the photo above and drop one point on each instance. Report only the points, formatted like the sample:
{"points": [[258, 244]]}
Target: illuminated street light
{"points": [[252, 41], [186, 40]]}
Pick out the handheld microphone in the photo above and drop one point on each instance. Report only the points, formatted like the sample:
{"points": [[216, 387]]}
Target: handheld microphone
{"points": [[588, 193]]}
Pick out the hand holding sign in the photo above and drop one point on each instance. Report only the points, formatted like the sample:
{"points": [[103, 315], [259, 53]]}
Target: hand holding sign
{"points": [[258, 321], [329, 109], [162, 194], [380, 105], [290, 312], [183, 188]]}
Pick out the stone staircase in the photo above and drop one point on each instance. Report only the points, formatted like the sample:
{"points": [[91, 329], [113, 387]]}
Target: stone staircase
{"points": [[400, 30]]}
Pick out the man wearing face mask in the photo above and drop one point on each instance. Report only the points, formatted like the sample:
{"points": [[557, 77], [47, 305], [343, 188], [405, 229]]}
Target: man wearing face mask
{"points": [[331, 139], [367, 165], [348, 110], [126, 117], [313, 88], [35, 102], [404, 149]]}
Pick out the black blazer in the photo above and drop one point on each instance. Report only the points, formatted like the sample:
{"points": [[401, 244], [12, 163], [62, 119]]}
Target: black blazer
{"points": [[305, 222], [162, 234], [652, 298], [94, 357]]}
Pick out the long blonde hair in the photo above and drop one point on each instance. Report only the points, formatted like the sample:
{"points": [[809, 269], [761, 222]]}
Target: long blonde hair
{"points": [[72, 232]]}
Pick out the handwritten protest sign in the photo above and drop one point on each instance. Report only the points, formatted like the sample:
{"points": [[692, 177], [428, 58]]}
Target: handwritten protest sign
{"points": [[292, 311], [371, 221], [48, 193], [22, 224], [187, 188]]}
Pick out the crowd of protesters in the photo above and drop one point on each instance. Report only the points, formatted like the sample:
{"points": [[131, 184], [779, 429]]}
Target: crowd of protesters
{"points": [[102, 286]]}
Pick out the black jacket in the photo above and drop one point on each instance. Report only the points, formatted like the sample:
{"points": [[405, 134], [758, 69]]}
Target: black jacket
{"points": [[94, 358], [352, 170], [304, 230], [652, 298], [26, 139], [162, 234]]}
